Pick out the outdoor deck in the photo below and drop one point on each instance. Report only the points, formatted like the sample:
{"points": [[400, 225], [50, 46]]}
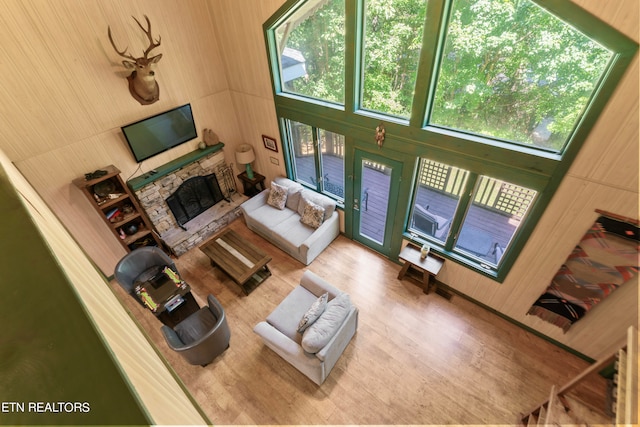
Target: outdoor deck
{"points": [[483, 229]]}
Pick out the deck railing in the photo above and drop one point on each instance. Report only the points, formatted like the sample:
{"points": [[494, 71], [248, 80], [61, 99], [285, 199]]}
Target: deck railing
{"points": [[491, 193], [376, 166], [504, 197]]}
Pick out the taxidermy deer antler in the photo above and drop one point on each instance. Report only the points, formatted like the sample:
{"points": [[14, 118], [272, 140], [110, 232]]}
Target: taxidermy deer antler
{"points": [[142, 80]]}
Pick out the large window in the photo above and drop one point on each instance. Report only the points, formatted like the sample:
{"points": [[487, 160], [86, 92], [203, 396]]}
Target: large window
{"points": [[392, 44], [317, 158], [490, 100], [310, 45], [494, 212], [436, 200], [512, 71]]}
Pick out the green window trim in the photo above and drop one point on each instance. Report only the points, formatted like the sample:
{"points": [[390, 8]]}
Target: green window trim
{"points": [[409, 140]]}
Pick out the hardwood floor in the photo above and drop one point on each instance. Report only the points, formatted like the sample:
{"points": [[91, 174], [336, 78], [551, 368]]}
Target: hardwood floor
{"points": [[416, 358]]}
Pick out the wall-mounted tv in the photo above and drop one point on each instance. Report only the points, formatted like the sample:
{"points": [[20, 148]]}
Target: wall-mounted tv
{"points": [[161, 132]]}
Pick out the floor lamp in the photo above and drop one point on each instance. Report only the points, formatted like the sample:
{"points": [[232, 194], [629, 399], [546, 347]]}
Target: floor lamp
{"points": [[244, 156]]}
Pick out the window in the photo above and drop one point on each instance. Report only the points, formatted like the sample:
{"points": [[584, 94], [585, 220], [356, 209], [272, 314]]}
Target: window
{"points": [[436, 199], [494, 213], [310, 45], [514, 72], [317, 156], [491, 99], [331, 156], [494, 216], [392, 44], [303, 153]]}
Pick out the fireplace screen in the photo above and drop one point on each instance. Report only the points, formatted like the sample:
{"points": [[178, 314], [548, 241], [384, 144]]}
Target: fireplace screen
{"points": [[193, 197]]}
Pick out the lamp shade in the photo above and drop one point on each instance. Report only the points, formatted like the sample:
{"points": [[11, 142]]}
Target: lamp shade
{"points": [[244, 154]]}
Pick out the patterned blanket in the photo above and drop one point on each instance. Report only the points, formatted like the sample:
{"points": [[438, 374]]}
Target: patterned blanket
{"points": [[605, 258]]}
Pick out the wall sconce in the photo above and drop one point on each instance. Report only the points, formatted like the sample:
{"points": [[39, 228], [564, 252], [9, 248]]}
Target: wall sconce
{"points": [[380, 134], [244, 156]]}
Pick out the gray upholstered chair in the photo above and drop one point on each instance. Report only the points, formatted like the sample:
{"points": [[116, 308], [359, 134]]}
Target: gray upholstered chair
{"points": [[202, 336], [329, 335], [430, 223], [138, 261]]}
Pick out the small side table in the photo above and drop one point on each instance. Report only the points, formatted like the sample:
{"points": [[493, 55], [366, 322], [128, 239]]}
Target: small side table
{"points": [[421, 269], [251, 187]]}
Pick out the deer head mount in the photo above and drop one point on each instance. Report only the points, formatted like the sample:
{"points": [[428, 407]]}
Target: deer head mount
{"points": [[142, 80]]}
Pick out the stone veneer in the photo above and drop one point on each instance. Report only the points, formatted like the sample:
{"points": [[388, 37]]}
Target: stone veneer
{"points": [[152, 198]]}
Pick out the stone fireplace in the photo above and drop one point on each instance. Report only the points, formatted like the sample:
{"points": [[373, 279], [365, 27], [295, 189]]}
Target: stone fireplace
{"points": [[153, 191], [193, 197]]}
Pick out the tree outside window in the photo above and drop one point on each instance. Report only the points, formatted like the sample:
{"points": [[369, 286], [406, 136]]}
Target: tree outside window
{"points": [[311, 50], [512, 71], [392, 44]]}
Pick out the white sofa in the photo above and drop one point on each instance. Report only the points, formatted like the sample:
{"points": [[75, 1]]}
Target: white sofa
{"points": [[280, 330], [283, 228]]}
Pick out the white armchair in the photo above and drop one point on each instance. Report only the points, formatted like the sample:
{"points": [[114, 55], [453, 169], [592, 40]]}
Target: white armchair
{"points": [[280, 330]]}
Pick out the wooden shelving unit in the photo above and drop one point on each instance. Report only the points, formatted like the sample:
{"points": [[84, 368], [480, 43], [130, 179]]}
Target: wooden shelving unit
{"points": [[118, 208], [562, 408]]}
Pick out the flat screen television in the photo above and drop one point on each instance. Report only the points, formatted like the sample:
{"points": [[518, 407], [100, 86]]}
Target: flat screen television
{"points": [[161, 132]]}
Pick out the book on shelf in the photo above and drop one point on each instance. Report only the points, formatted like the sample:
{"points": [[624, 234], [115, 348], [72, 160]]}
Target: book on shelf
{"points": [[113, 212]]}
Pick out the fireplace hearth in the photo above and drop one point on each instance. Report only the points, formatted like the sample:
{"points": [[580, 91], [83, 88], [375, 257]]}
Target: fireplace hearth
{"points": [[193, 197], [190, 224]]}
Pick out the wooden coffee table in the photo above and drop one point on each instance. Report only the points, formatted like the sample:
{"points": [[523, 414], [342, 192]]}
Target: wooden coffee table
{"points": [[241, 260]]}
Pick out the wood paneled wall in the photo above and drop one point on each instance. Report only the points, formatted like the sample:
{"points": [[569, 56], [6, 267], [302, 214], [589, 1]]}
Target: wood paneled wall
{"points": [[239, 24], [160, 396], [604, 176], [65, 95], [65, 98]]}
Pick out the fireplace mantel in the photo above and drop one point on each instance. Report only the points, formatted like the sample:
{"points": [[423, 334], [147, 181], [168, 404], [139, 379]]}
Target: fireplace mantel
{"points": [[140, 181]]}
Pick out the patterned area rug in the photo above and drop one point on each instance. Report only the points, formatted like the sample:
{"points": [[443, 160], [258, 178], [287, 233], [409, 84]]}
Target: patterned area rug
{"points": [[605, 258]]}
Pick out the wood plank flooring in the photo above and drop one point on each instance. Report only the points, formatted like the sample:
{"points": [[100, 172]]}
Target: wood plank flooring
{"points": [[416, 358]]}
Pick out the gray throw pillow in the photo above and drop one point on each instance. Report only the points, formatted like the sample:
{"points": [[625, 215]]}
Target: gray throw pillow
{"points": [[313, 313], [293, 199], [318, 335]]}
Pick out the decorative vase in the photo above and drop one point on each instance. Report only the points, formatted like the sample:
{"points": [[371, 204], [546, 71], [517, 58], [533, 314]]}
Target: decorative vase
{"points": [[424, 252]]}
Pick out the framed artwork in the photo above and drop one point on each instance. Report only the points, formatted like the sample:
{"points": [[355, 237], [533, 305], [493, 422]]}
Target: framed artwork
{"points": [[270, 143]]}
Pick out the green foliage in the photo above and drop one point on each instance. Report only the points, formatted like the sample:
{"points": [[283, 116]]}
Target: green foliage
{"points": [[320, 39], [508, 70], [509, 67], [392, 43]]}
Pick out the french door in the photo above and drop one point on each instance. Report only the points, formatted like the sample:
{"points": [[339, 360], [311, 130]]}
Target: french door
{"points": [[376, 183]]}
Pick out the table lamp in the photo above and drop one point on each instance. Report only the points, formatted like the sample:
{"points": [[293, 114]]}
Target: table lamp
{"points": [[244, 156]]}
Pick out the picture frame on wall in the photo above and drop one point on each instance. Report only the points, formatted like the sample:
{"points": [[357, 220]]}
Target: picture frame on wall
{"points": [[270, 143]]}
